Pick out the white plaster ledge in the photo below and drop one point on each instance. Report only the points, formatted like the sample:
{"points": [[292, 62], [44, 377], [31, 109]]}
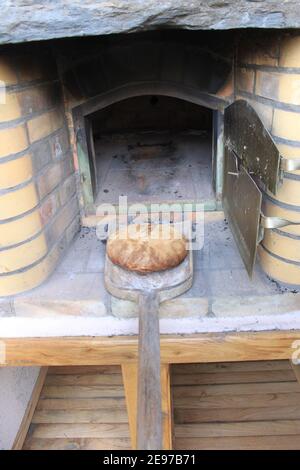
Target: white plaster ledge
{"points": [[12, 327]]}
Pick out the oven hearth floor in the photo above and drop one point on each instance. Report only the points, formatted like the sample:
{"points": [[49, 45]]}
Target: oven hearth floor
{"points": [[74, 302], [155, 167]]}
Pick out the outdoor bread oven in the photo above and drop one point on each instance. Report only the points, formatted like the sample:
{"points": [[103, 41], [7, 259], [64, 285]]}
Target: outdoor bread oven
{"points": [[123, 119], [209, 117]]}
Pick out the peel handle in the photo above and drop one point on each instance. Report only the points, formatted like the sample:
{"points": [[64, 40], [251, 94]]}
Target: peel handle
{"points": [[149, 412]]}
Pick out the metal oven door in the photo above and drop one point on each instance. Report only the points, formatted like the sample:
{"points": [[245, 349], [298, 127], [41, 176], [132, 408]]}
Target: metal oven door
{"points": [[252, 163]]}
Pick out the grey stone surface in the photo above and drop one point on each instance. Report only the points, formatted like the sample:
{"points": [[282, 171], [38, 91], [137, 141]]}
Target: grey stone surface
{"points": [[221, 287], [176, 308], [256, 305], [16, 386], [28, 20]]}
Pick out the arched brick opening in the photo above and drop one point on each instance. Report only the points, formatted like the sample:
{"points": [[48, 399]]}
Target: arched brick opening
{"points": [[83, 113]]}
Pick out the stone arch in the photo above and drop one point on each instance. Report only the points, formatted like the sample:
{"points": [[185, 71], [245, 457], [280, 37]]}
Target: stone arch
{"points": [[83, 132]]}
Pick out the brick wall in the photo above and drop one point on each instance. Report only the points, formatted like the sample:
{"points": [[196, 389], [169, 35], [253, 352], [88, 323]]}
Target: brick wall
{"points": [[38, 203], [267, 74], [90, 67]]}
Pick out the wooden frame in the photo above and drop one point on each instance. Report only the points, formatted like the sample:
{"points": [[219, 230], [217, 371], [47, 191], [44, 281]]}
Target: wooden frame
{"points": [[218, 152], [130, 380], [122, 350], [24, 426], [296, 369], [205, 347]]}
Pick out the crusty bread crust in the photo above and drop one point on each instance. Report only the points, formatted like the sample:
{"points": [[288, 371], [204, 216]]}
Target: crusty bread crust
{"points": [[146, 248]]}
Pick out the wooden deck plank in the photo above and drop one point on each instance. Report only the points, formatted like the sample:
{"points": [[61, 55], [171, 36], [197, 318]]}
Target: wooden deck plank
{"points": [[260, 400], [253, 428], [81, 403], [236, 406], [235, 389], [105, 416], [78, 430], [248, 405], [77, 444], [81, 391], [219, 367], [234, 377], [85, 379], [79, 370], [221, 415], [241, 443]]}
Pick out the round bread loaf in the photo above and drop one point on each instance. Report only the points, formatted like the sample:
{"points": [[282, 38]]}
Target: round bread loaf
{"points": [[147, 248]]}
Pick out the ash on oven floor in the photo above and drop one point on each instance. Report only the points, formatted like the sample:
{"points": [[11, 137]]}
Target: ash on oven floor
{"points": [[154, 167]]}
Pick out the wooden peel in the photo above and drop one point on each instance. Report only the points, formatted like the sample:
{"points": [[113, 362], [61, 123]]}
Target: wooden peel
{"points": [[148, 290]]}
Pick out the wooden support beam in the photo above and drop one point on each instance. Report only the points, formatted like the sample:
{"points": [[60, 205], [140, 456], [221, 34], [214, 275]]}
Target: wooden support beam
{"points": [[175, 349], [167, 409], [27, 418], [296, 369], [129, 372]]}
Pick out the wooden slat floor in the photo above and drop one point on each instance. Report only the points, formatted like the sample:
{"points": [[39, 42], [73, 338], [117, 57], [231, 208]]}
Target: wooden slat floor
{"points": [[252, 405]]}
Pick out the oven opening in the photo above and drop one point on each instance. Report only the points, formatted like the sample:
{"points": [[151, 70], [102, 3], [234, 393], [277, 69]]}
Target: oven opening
{"points": [[152, 148]]}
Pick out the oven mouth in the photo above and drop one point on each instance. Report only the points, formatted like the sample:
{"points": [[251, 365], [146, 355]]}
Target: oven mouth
{"points": [[149, 149]]}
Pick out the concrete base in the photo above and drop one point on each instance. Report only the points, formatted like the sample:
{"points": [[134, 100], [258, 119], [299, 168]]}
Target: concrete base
{"points": [[74, 302], [16, 386]]}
